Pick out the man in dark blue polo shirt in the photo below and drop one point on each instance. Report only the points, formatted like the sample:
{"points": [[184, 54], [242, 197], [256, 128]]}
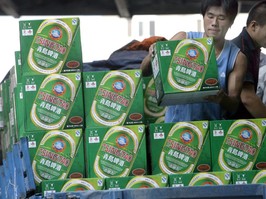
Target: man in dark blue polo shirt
{"points": [[250, 41], [261, 88]]}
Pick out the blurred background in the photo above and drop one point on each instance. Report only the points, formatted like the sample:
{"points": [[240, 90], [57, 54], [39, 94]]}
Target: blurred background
{"points": [[107, 25]]}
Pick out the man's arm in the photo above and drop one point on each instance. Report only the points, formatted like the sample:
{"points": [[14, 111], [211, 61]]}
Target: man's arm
{"points": [[146, 62], [146, 65], [235, 83], [252, 102]]}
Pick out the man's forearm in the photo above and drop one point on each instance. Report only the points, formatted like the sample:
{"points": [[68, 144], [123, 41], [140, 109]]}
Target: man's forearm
{"points": [[256, 108], [146, 66]]}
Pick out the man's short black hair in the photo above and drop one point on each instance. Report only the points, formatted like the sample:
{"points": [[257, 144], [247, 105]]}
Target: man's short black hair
{"points": [[257, 13], [230, 7]]}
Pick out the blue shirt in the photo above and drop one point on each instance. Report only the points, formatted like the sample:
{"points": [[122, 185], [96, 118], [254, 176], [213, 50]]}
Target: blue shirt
{"points": [[206, 110]]}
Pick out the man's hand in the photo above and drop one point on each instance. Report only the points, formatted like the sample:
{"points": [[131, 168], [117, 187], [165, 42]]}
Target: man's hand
{"points": [[218, 98]]}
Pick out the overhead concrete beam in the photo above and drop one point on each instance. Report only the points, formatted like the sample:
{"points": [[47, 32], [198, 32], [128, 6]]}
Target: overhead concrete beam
{"points": [[122, 8], [9, 8]]}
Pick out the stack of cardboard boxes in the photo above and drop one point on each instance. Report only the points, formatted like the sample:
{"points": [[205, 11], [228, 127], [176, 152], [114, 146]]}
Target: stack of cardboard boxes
{"points": [[100, 130]]}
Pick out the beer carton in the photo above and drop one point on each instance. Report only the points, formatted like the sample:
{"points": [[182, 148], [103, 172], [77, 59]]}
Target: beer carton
{"points": [[260, 162], [136, 182], [211, 178], [19, 109], [243, 177], [235, 144], [115, 151], [77, 169], [1, 108], [11, 119], [18, 71], [53, 102], [49, 187], [181, 147], [180, 180], [200, 179], [184, 71], [50, 46], [15, 73], [260, 177], [7, 144], [54, 157], [113, 98]]}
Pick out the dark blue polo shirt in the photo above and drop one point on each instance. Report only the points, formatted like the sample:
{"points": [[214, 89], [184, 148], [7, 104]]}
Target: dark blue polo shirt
{"points": [[247, 46]]}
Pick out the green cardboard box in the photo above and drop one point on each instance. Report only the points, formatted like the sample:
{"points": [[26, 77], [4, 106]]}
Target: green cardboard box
{"points": [[53, 102], [50, 46], [77, 169], [11, 119], [11, 86], [18, 67], [7, 145], [1, 108], [18, 102], [243, 177], [200, 179], [181, 147], [136, 182], [211, 178], [180, 180], [50, 187], [260, 177], [113, 98], [249, 177], [260, 162], [15, 73], [115, 151], [235, 144], [56, 154], [184, 71]]}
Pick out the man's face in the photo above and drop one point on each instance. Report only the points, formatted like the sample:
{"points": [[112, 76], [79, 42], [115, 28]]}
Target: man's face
{"points": [[260, 35], [216, 23]]}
